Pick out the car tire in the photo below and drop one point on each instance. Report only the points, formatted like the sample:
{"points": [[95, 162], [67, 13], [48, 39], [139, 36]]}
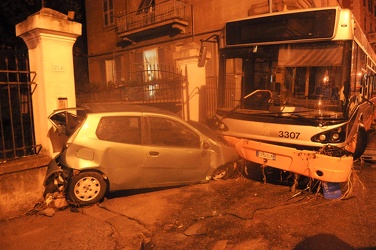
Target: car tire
{"points": [[86, 188], [223, 172], [361, 142]]}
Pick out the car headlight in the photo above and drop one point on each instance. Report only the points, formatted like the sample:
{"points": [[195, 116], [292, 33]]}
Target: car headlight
{"points": [[217, 124]]}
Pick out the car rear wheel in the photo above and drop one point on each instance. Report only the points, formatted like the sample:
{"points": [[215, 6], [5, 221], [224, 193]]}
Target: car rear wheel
{"points": [[86, 188]]}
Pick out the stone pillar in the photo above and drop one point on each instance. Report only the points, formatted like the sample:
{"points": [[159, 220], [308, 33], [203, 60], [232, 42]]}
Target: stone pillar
{"points": [[194, 100], [50, 36]]}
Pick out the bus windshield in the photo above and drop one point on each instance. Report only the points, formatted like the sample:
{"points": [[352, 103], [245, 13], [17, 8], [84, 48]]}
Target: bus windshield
{"points": [[304, 79]]}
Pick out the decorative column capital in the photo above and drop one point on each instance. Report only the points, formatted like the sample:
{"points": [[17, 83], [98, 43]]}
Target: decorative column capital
{"points": [[47, 21]]}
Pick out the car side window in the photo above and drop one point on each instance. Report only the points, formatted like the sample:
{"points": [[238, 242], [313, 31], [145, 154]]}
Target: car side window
{"points": [[165, 132], [123, 129]]}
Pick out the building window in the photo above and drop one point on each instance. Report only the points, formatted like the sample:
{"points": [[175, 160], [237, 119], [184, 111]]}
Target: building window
{"points": [[108, 12], [365, 24], [110, 72], [151, 71], [146, 6], [370, 6], [151, 64]]}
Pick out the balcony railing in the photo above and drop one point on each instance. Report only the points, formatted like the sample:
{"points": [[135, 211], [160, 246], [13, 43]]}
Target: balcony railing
{"points": [[169, 10]]}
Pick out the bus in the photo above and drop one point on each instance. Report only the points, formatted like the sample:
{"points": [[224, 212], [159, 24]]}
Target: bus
{"points": [[296, 91]]}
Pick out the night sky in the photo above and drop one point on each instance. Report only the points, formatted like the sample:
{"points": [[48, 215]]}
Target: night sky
{"points": [[13, 12]]}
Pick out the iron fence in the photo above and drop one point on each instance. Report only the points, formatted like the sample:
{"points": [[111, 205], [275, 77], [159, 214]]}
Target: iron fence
{"points": [[17, 138], [211, 96], [159, 86], [155, 85]]}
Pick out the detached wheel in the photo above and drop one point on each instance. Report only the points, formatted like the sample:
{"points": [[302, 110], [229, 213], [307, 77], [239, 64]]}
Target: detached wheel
{"points": [[86, 188], [361, 142], [223, 172]]}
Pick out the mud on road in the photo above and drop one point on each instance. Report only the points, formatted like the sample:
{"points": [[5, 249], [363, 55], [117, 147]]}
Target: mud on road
{"points": [[238, 213], [245, 214]]}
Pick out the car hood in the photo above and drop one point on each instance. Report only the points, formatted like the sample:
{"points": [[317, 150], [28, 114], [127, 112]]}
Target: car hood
{"points": [[214, 136], [225, 151]]}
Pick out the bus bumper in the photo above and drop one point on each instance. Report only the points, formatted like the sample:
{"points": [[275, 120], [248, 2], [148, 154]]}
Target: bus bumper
{"points": [[304, 162]]}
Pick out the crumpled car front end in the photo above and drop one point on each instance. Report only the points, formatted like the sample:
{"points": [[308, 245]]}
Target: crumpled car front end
{"points": [[56, 177], [225, 159]]}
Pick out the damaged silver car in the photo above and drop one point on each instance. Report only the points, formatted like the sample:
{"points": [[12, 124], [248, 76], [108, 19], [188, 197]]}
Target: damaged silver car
{"points": [[120, 147]]}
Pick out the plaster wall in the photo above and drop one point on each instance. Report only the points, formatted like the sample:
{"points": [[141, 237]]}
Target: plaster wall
{"points": [[21, 185], [186, 58]]}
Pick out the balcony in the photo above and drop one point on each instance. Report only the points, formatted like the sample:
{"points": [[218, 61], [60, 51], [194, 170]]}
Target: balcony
{"points": [[167, 18]]}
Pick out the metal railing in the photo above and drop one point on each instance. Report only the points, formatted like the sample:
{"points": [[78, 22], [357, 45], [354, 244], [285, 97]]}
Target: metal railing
{"points": [[211, 96], [154, 85], [168, 10], [17, 137]]}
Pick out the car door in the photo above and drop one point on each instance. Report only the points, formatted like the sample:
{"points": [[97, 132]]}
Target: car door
{"points": [[175, 154], [123, 154]]}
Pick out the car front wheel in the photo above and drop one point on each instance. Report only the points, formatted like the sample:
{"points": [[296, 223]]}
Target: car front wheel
{"points": [[223, 172], [86, 188]]}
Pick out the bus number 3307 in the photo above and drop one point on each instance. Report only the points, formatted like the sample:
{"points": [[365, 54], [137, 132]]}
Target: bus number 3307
{"points": [[287, 134]]}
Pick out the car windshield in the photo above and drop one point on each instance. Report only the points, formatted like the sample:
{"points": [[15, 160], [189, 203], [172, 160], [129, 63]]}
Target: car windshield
{"points": [[283, 80]]}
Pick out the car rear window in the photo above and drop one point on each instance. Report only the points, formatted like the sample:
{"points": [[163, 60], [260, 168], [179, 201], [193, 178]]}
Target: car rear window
{"points": [[123, 129]]}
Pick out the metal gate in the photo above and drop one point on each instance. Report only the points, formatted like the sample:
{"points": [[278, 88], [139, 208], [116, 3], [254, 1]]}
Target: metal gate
{"points": [[156, 86], [17, 84]]}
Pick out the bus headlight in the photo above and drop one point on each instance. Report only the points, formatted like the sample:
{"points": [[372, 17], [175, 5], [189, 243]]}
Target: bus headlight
{"points": [[322, 137], [336, 135]]}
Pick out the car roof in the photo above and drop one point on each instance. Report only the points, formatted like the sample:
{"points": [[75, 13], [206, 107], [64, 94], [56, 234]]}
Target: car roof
{"points": [[122, 107]]}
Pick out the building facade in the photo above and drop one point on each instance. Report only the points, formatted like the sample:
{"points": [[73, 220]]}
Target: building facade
{"points": [[129, 39]]}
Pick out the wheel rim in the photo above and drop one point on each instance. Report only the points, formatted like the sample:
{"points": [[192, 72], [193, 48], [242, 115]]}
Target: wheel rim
{"points": [[87, 188], [219, 175]]}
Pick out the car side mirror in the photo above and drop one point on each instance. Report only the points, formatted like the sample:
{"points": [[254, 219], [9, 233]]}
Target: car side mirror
{"points": [[205, 145]]}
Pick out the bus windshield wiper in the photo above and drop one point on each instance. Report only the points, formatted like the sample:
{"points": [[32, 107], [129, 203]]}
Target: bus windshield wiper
{"points": [[291, 115], [247, 96], [316, 120]]}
